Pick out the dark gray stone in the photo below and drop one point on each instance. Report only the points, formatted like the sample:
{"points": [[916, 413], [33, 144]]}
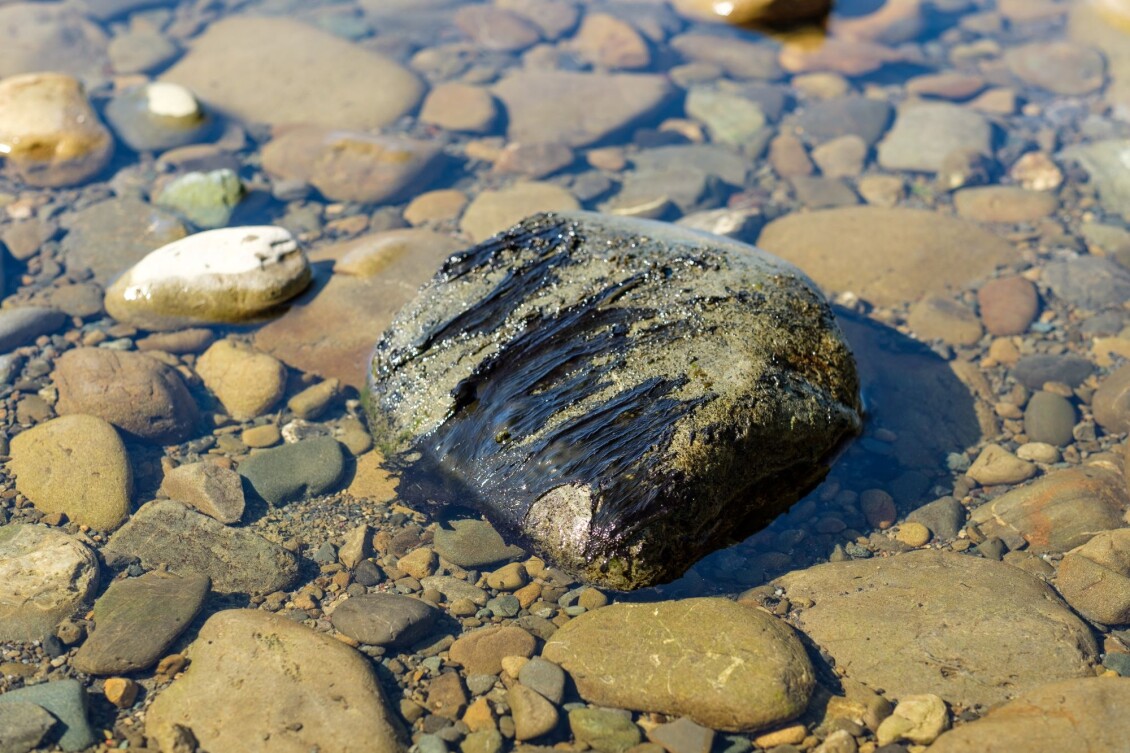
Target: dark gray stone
{"points": [[23, 726], [66, 701], [1049, 418], [294, 471], [944, 517], [1089, 282], [20, 326], [842, 116], [237, 560], [137, 619], [545, 677], [1036, 370], [384, 619], [620, 394]]}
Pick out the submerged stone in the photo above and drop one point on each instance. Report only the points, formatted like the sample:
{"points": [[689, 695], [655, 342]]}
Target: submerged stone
{"points": [[620, 395]]}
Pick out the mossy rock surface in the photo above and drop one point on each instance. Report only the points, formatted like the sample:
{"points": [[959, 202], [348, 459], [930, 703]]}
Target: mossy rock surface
{"points": [[620, 395]]}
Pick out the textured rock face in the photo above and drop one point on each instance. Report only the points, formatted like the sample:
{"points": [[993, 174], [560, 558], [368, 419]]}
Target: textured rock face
{"points": [[747, 672], [621, 394]]}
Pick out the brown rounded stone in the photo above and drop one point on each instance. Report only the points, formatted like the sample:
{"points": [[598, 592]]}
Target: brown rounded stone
{"points": [[482, 652], [138, 394], [1008, 305]]}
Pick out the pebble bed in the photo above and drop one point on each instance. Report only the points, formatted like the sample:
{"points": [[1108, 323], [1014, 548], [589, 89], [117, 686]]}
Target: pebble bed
{"points": [[200, 548]]}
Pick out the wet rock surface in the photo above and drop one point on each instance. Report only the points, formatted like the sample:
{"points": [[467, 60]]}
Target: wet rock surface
{"points": [[47, 576], [942, 632], [751, 672], [572, 323]]}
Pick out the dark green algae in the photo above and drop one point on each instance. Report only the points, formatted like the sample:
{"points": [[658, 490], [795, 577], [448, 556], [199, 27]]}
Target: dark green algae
{"points": [[622, 397]]}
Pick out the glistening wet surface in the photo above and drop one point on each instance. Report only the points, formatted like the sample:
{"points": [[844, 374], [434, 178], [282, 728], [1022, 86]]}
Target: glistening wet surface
{"points": [[200, 549]]}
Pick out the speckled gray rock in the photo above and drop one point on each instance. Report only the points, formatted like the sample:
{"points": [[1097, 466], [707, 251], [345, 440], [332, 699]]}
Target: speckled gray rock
{"points": [[137, 619], [384, 619], [1001, 632], [23, 726], [45, 576], [1089, 282], [66, 701], [623, 395], [293, 471], [237, 560]]}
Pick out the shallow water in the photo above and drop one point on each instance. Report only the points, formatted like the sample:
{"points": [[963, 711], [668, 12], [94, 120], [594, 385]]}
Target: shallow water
{"points": [[753, 123]]}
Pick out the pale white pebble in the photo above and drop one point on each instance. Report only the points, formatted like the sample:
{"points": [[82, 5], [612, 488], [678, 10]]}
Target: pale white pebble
{"points": [[171, 100]]}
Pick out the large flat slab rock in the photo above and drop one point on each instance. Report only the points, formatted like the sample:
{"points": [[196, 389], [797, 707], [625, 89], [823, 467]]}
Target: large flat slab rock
{"points": [[297, 691], [137, 619], [237, 560], [886, 256], [541, 106], [725, 665], [620, 394], [329, 81], [973, 631], [1085, 714]]}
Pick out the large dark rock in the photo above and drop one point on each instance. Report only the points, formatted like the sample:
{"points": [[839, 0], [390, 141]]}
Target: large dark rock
{"points": [[621, 395]]}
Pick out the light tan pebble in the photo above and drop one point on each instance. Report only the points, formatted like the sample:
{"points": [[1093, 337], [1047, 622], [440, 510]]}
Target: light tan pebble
{"points": [[371, 481], [913, 534], [310, 402], [120, 691], [996, 465], [592, 598], [821, 85], [1008, 410], [435, 206], [609, 158], [509, 577], [266, 435], [357, 546], [459, 107], [479, 715], [1038, 452], [305, 601], [528, 594], [247, 382], [512, 665], [1037, 172], [691, 130], [1003, 350], [839, 741], [347, 640], [881, 190], [419, 563], [463, 607], [791, 735], [917, 718], [536, 567]]}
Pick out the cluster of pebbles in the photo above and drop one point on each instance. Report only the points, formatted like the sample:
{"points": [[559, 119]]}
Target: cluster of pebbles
{"points": [[201, 550]]}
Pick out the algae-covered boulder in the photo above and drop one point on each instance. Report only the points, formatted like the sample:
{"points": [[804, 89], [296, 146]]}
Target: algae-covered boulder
{"points": [[621, 395]]}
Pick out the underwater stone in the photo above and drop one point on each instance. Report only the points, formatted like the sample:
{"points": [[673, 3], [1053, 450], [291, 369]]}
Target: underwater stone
{"points": [[622, 396]]}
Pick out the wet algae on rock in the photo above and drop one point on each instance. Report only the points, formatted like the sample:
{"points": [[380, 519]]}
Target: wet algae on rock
{"points": [[623, 396]]}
